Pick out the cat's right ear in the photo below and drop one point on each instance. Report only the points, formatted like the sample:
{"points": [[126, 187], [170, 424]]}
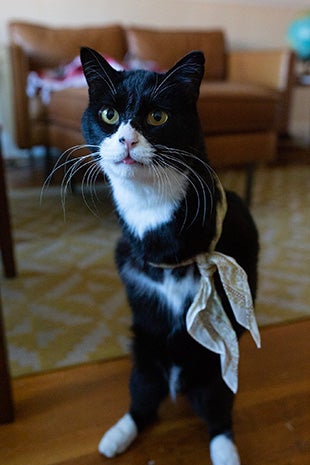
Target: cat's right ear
{"points": [[96, 69]]}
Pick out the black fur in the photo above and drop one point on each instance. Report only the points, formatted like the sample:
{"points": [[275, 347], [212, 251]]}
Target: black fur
{"points": [[159, 340]]}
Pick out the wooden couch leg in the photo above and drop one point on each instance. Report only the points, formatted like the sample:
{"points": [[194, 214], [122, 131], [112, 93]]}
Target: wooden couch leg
{"points": [[249, 180], [48, 161]]}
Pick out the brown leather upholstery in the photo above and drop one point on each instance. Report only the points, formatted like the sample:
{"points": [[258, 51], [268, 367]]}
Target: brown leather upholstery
{"points": [[268, 68], [47, 47], [64, 117], [166, 47], [243, 103], [232, 107]]}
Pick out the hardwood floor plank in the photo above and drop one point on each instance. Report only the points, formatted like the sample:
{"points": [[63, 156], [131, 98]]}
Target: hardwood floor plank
{"points": [[61, 416]]}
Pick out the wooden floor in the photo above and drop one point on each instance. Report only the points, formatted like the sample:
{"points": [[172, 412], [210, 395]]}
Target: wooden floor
{"points": [[61, 416]]}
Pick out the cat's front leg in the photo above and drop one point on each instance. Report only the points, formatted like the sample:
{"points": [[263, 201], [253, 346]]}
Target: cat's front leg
{"points": [[118, 438], [148, 387]]}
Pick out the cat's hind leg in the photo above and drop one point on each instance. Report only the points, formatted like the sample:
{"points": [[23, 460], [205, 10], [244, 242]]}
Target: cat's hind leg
{"points": [[223, 451], [148, 387], [213, 401]]}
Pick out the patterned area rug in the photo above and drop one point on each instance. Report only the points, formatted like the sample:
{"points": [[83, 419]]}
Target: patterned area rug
{"points": [[67, 305]]}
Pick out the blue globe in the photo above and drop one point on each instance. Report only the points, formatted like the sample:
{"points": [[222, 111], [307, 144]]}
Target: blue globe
{"points": [[298, 36]]}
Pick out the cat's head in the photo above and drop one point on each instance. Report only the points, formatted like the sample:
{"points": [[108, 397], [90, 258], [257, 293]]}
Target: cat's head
{"points": [[136, 120]]}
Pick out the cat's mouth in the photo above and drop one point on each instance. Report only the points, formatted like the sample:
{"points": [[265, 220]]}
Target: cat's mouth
{"points": [[129, 160]]}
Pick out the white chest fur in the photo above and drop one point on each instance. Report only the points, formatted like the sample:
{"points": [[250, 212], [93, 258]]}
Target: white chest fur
{"points": [[171, 291], [142, 207]]}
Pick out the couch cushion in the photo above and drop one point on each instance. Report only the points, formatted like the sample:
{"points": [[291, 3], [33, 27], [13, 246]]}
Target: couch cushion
{"points": [[224, 107], [229, 107], [48, 47], [166, 47]]}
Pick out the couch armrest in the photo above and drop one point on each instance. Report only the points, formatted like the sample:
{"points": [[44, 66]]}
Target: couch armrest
{"points": [[20, 70], [35, 46], [271, 68]]}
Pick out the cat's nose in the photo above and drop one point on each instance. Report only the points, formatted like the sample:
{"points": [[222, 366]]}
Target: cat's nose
{"points": [[130, 142]]}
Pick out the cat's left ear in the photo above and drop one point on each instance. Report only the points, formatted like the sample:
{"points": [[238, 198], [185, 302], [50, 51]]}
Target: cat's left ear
{"points": [[189, 70]]}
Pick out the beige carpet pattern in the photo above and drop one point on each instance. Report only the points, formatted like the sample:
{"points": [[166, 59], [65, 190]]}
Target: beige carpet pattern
{"points": [[67, 305]]}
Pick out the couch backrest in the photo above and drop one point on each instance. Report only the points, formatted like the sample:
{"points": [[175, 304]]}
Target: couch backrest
{"points": [[166, 47], [48, 47]]}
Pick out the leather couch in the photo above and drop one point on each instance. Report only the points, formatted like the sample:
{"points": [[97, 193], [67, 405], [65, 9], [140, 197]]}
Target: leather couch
{"points": [[243, 105]]}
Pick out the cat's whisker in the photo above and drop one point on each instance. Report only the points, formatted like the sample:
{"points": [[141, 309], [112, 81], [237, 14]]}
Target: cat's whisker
{"points": [[179, 171], [160, 180], [91, 182], [69, 159], [87, 189], [188, 154], [73, 170], [65, 182], [203, 184], [165, 164], [199, 200], [88, 186], [162, 164], [206, 165], [58, 165], [210, 171], [200, 180]]}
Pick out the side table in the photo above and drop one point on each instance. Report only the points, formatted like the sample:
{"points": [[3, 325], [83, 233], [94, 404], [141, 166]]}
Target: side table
{"points": [[300, 113]]}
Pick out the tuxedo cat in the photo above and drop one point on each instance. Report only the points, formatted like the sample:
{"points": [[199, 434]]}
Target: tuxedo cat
{"points": [[144, 129]]}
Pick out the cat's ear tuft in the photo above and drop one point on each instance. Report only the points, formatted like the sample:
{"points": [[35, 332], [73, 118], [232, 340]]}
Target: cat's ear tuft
{"points": [[96, 68], [189, 70]]}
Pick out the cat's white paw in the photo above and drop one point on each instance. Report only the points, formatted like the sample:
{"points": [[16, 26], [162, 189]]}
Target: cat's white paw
{"points": [[118, 438], [223, 451]]}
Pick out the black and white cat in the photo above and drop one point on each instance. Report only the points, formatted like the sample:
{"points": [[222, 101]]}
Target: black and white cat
{"points": [[144, 129]]}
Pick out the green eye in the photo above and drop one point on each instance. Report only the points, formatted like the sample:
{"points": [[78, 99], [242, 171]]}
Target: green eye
{"points": [[109, 115], [157, 117]]}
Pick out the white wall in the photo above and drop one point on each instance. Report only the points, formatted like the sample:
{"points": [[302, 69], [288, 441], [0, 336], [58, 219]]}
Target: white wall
{"points": [[248, 24]]}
